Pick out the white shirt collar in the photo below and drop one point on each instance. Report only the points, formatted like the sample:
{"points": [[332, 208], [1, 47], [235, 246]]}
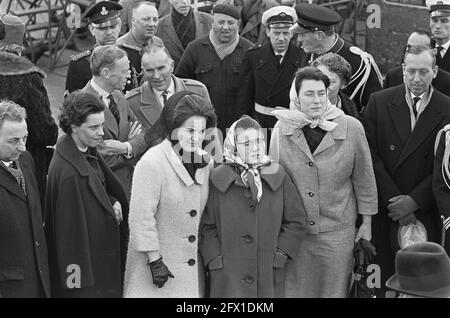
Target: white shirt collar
{"points": [[99, 90], [282, 53], [7, 163], [170, 89], [445, 46], [421, 96]]}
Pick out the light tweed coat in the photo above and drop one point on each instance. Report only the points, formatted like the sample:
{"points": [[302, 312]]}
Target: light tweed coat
{"points": [[163, 196]]}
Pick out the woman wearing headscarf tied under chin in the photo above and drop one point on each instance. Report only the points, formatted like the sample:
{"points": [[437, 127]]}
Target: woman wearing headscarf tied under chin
{"points": [[327, 155], [253, 221], [169, 193]]}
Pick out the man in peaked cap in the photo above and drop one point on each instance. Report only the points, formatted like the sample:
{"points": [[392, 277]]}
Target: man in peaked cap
{"points": [[440, 28], [316, 32], [104, 24], [268, 69]]}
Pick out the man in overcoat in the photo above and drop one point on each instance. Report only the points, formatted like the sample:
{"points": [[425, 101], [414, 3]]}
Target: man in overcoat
{"points": [[440, 28], [401, 124], [24, 268]]}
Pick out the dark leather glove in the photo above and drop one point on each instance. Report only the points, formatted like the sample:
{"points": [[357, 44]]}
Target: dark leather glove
{"points": [[160, 272]]}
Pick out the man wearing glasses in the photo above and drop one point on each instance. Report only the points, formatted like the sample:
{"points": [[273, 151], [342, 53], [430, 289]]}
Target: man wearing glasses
{"points": [[104, 24], [316, 34]]}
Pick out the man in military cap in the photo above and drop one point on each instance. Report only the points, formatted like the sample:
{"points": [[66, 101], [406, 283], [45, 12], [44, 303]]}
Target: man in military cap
{"points": [[147, 101], [268, 69], [440, 28], [316, 32], [104, 24], [144, 26]]}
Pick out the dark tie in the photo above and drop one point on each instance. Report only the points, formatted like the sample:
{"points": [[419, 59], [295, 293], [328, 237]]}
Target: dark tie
{"points": [[18, 175], [114, 108], [438, 54], [279, 57], [164, 96], [415, 101]]}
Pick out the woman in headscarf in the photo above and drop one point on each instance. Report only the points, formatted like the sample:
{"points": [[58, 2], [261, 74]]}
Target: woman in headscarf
{"points": [[339, 71], [327, 156], [254, 218], [169, 193]]}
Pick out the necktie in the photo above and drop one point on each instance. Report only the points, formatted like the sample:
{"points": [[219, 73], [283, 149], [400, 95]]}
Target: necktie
{"points": [[17, 174], [279, 57], [164, 96], [414, 107], [114, 108], [438, 54]]}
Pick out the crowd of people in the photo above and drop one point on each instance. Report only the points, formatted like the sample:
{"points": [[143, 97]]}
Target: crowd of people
{"points": [[238, 153]]}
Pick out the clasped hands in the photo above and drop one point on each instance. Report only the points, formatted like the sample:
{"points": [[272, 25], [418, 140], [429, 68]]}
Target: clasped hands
{"points": [[116, 147], [401, 208]]}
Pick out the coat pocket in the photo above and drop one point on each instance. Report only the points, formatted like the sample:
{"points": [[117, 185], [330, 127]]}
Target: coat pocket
{"points": [[204, 74], [216, 263], [10, 273], [279, 262]]}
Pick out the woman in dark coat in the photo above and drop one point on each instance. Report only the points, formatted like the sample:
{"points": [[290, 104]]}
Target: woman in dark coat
{"points": [[22, 82], [339, 71], [84, 203], [254, 219]]}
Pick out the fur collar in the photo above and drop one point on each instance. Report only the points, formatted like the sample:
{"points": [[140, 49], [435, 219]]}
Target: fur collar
{"points": [[13, 65]]}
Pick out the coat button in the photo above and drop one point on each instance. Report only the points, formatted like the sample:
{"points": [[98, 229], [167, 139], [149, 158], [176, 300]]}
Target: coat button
{"points": [[191, 262], [391, 147], [249, 279], [312, 222], [248, 239], [311, 194], [193, 213], [192, 238], [37, 243], [310, 164], [247, 194]]}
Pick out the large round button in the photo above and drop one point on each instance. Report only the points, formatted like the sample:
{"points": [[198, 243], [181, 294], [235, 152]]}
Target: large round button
{"points": [[391, 147], [248, 239], [37, 243], [193, 213], [249, 279], [191, 238], [312, 222], [191, 262], [311, 194], [310, 164]]}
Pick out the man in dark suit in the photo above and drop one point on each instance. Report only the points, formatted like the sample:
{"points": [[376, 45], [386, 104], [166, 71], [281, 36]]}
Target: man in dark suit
{"points": [[268, 70], [440, 28], [316, 32], [395, 76], [401, 125], [23, 250], [123, 142]]}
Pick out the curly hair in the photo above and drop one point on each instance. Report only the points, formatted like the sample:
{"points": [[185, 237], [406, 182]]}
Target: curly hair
{"points": [[76, 108], [336, 64]]}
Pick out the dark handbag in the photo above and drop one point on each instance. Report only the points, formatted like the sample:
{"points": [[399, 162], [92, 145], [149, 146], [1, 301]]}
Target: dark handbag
{"points": [[364, 252]]}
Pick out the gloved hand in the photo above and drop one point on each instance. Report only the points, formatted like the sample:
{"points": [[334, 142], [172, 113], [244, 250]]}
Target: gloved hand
{"points": [[160, 272]]}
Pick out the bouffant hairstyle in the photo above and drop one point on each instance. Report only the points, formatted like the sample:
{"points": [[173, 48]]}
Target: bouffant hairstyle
{"points": [[76, 108], [336, 64], [310, 73], [11, 111], [193, 105]]}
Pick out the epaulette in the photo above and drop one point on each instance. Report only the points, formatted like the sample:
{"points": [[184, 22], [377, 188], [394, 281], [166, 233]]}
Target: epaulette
{"points": [[133, 92], [255, 47], [78, 56], [446, 127], [132, 47], [356, 50], [192, 82]]}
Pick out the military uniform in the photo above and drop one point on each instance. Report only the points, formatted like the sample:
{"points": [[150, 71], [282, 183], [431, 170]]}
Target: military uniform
{"points": [[134, 51], [440, 9], [366, 77], [79, 71]]}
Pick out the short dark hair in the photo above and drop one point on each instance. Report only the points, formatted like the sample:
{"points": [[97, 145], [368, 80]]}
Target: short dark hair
{"points": [[309, 73], [336, 64], [193, 105], [419, 49], [76, 108]]}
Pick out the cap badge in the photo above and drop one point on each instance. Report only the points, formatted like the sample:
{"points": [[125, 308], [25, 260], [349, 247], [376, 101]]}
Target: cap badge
{"points": [[282, 14], [439, 3], [104, 11]]}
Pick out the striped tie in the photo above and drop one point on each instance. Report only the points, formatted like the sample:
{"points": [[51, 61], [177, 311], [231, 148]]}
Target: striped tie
{"points": [[17, 174], [114, 108]]}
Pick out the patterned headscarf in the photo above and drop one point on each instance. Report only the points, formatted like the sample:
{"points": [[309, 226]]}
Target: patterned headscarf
{"points": [[295, 117], [250, 175]]}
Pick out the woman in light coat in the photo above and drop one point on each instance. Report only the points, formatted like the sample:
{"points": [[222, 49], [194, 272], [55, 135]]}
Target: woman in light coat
{"points": [[254, 218], [327, 155], [169, 193]]}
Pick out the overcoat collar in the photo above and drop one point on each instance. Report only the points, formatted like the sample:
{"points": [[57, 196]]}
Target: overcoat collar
{"points": [[298, 138], [68, 150], [201, 174], [10, 183], [224, 176]]}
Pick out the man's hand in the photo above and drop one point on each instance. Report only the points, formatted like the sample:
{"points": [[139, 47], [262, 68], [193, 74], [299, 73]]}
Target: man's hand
{"points": [[118, 211], [135, 129], [115, 147], [400, 206], [410, 218]]}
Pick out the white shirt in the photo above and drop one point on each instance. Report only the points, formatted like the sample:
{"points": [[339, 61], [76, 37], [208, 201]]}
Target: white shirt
{"points": [[103, 94], [445, 47], [7, 163], [418, 108], [170, 90], [282, 55]]}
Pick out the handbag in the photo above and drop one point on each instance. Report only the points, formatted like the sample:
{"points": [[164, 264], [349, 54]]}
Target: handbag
{"points": [[363, 253]]}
